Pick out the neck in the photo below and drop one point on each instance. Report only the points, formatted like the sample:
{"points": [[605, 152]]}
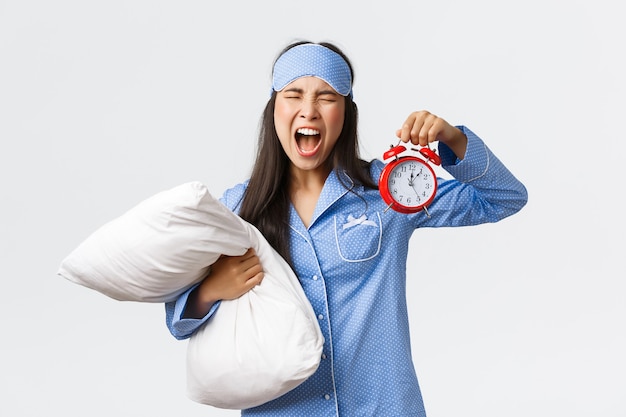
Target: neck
{"points": [[307, 179], [305, 188]]}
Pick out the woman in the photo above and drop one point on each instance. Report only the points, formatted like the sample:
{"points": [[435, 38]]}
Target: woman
{"points": [[321, 209]]}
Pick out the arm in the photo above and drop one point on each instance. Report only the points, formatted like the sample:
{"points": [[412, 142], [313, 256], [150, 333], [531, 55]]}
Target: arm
{"points": [[194, 307], [483, 189], [180, 327]]}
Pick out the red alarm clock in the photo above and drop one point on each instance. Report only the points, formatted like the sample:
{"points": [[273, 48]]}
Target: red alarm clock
{"points": [[408, 183]]}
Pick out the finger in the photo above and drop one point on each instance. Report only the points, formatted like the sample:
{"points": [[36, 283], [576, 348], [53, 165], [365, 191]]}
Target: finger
{"points": [[419, 125], [250, 263], [258, 278], [417, 131], [253, 270], [246, 260], [430, 130], [249, 253], [404, 133], [254, 281], [423, 136], [437, 129]]}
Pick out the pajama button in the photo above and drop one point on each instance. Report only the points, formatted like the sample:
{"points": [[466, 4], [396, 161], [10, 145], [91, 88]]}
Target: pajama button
{"points": [[327, 396]]}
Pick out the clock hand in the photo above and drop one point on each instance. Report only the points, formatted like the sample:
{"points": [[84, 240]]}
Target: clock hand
{"points": [[416, 193]]}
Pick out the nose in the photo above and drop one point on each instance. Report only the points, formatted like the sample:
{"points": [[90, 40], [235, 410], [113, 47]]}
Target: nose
{"points": [[309, 110]]}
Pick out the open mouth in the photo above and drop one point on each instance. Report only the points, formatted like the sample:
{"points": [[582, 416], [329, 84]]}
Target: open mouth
{"points": [[308, 141]]}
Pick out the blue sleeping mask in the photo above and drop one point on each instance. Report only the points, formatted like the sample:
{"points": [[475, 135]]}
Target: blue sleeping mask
{"points": [[316, 61]]}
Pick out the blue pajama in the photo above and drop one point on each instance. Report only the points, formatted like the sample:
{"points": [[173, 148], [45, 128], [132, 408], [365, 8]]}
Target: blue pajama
{"points": [[351, 262]]}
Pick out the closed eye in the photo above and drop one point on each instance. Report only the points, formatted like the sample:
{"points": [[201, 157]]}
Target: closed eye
{"points": [[326, 96]]}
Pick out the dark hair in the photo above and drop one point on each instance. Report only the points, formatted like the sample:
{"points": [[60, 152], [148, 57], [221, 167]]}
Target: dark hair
{"points": [[266, 201]]}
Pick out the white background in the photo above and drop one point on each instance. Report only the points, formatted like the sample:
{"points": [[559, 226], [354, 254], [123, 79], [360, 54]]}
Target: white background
{"points": [[103, 104]]}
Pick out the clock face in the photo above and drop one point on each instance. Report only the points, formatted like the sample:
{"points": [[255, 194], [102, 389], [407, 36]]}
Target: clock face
{"points": [[410, 184]]}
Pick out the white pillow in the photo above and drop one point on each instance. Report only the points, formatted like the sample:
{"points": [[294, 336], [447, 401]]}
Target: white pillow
{"points": [[259, 346], [255, 348], [159, 248]]}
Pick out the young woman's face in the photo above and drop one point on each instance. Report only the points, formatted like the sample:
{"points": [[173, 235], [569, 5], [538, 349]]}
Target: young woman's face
{"points": [[309, 117]]}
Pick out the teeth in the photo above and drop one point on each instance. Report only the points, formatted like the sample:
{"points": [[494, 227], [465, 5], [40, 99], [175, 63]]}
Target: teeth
{"points": [[308, 132]]}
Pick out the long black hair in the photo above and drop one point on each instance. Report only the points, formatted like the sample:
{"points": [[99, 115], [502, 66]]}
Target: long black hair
{"points": [[266, 201]]}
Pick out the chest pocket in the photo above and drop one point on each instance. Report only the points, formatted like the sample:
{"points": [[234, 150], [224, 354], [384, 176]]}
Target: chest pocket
{"points": [[358, 239]]}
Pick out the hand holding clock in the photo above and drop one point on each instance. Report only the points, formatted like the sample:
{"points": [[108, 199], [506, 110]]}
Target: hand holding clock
{"points": [[423, 127], [398, 181]]}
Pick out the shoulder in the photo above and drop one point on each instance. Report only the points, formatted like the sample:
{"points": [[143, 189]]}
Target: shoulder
{"points": [[376, 167], [233, 196]]}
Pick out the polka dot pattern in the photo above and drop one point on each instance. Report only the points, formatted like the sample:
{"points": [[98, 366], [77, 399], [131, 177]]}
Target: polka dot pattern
{"points": [[312, 60], [354, 273]]}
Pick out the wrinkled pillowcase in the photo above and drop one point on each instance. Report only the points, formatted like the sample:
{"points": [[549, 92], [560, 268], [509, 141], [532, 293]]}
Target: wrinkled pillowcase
{"points": [[159, 248], [255, 348]]}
